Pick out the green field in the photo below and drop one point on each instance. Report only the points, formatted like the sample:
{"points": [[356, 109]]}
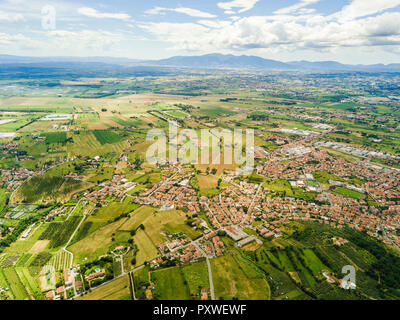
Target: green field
{"points": [[170, 284], [41, 188], [350, 193], [55, 137], [3, 198], [14, 283], [59, 233], [107, 137], [234, 277], [147, 251], [116, 290]]}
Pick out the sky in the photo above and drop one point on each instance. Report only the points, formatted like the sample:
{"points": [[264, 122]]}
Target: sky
{"points": [[348, 31]]}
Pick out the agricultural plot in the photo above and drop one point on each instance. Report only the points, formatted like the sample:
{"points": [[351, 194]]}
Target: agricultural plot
{"points": [[97, 243], [89, 121], [137, 217], [61, 261], [146, 248], [39, 246], [176, 114], [30, 283], [59, 233], [86, 143], [118, 289], [111, 212], [55, 137], [36, 104], [101, 175], [40, 259], [169, 284], [15, 126], [148, 178], [278, 186], [57, 117], [141, 281], [47, 189], [324, 177], [23, 212], [136, 123], [23, 260], [196, 276], [207, 181], [64, 169], [156, 223], [9, 261], [107, 137], [349, 193], [216, 112], [235, 278], [3, 199], [15, 284], [23, 246]]}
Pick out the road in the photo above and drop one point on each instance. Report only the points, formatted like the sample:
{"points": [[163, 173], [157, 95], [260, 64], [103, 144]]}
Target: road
{"points": [[252, 202], [72, 236], [210, 279], [121, 257]]}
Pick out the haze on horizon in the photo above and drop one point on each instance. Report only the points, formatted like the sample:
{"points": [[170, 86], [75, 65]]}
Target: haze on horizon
{"points": [[347, 31]]}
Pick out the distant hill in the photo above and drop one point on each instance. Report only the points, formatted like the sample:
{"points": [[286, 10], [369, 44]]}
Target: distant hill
{"points": [[244, 61], [207, 61], [220, 60]]}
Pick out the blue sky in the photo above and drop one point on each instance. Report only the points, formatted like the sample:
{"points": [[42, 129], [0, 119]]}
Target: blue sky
{"points": [[349, 31]]}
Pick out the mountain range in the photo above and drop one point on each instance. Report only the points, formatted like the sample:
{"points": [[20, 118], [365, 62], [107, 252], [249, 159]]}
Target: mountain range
{"points": [[209, 61]]}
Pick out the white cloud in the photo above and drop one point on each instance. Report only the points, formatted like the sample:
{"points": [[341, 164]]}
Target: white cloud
{"points": [[244, 5], [93, 13], [84, 40], [10, 41], [296, 7], [286, 33], [188, 11], [10, 17], [362, 8]]}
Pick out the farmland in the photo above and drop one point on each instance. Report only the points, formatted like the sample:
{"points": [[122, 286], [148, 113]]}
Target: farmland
{"points": [[78, 194], [55, 137], [107, 137], [59, 233], [147, 250], [230, 284], [116, 290], [350, 193], [170, 284], [47, 189]]}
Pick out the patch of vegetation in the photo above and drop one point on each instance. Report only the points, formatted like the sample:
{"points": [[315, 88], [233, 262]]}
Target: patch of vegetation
{"points": [[55, 137], [59, 233], [107, 137]]}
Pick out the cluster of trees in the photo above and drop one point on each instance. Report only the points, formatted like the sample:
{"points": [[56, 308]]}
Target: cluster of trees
{"points": [[387, 265], [258, 116]]}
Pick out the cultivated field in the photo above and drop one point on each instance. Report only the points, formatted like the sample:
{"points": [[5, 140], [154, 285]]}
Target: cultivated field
{"points": [[116, 290]]}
